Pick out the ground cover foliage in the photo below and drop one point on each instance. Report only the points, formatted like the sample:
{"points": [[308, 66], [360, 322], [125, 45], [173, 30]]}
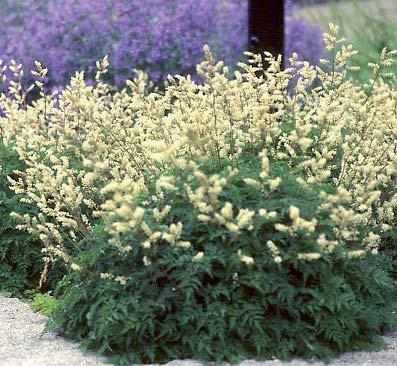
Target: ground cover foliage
{"points": [[43, 303], [219, 220]]}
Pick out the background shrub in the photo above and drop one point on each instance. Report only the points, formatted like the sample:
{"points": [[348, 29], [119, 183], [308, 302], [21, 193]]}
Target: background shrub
{"points": [[373, 27], [227, 295], [157, 36], [304, 38]]}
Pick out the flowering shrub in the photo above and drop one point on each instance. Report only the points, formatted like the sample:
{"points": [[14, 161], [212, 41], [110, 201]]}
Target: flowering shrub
{"points": [[250, 266], [119, 174], [158, 36], [20, 252], [87, 139]]}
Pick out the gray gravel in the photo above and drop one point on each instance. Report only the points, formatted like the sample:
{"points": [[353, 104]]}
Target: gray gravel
{"points": [[23, 343]]}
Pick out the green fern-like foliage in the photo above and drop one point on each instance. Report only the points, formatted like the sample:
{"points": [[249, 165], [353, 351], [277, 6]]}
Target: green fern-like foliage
{"points": [[20, 253], [220, 308]]}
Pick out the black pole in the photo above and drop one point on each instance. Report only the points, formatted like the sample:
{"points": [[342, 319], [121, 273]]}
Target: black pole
{"points": [[266, 26]]}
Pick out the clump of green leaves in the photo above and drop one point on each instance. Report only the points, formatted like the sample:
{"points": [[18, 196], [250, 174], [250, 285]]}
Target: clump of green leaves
{"points": [[44, 303], [174, 304]]}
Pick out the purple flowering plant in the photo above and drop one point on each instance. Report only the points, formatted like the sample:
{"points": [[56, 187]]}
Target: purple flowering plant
{"points": [[157, 36], [301, 37]]}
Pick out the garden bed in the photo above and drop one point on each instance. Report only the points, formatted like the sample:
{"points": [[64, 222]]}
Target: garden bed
{"points": [[247, 216]]}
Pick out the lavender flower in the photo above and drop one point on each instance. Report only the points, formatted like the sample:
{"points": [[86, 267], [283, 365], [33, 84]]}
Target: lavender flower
{"points": [[158, 36], [303, 38]]}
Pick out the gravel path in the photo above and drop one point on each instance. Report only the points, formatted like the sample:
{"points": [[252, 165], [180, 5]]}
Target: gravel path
{"points": [[23, 343]]}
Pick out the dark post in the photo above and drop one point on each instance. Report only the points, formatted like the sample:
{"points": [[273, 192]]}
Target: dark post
{"points": [[266, 26]]}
